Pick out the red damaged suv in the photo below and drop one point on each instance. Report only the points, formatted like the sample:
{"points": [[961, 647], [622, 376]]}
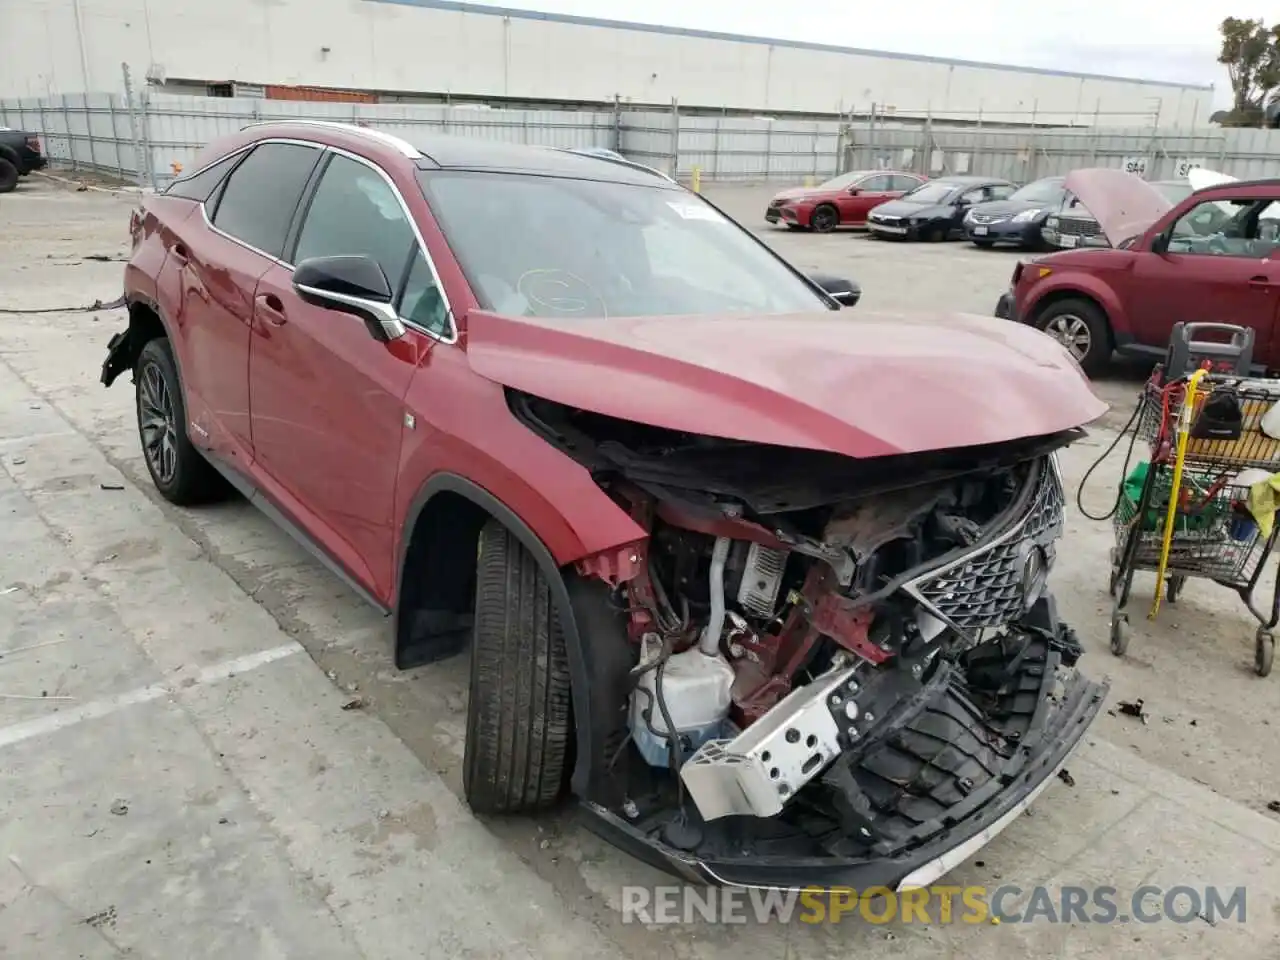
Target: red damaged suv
{"points": [[1210, 258], [764, 587]]}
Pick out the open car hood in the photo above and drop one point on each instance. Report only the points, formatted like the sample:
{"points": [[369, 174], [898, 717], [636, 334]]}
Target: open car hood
{"points": [[1122, 204], [879, 385]]}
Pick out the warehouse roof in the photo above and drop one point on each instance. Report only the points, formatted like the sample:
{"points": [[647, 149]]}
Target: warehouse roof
{"points": [[459, 6]]}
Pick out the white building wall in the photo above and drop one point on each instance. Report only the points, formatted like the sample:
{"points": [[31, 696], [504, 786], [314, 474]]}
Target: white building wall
{"points": [[428, 46]]}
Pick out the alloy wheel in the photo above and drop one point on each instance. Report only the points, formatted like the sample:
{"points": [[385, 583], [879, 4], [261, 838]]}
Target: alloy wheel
{"points": [[157, 422], [1072, 332]]}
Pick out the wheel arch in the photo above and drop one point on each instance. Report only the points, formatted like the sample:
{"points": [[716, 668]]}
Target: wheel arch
{"points": [[441, 534], [146, 323], [1060, 294]]}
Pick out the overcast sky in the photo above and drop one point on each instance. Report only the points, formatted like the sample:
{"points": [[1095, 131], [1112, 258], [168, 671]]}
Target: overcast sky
{"points": [[1175, 40]]}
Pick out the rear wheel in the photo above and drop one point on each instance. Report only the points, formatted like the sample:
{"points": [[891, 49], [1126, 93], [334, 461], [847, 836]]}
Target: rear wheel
{"points": [[180, 472], [519, 722], [1080, 327], [8, 176], [824, 219]]}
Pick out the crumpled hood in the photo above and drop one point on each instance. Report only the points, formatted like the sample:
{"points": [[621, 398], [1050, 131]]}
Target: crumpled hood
{"points": [[1123, 205], [871, 386]]}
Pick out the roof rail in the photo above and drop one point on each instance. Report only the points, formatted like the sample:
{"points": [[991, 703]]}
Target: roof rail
{"points": [[619, 160], [387, 139]]}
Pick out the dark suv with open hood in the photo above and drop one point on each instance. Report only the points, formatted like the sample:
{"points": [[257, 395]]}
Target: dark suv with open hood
{"points": [[1210, 258], [766, 589]]}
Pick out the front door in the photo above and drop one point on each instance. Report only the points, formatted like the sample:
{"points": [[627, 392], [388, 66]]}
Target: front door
{"points": [[871, 192], [1225, 277], [326, 398]]}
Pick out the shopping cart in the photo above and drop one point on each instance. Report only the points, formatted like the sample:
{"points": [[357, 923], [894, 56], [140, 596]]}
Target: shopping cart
{"points": [[1185, 512]]}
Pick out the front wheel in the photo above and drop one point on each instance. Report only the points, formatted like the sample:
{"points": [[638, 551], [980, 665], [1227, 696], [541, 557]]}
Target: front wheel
{"points": [[519, 720], [824, 219], [8, 176], [1080, 327], [180, 472]]}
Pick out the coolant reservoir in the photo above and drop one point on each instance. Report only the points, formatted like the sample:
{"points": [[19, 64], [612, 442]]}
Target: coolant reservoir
{"points": [[696, 689]]}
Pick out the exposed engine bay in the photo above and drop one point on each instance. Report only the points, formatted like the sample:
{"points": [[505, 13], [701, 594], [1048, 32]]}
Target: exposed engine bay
{"points": [[833, 658]]}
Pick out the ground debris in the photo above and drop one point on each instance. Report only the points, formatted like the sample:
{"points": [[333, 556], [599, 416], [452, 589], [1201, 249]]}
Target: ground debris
{"points": [[1274, 806], [111, 485], [1133, 708], [120, 808], [103, 918], [1065, 776], [355, 703]]}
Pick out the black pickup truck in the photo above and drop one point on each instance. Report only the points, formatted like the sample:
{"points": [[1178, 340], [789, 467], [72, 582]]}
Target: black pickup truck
{"points": [[19, 155]]}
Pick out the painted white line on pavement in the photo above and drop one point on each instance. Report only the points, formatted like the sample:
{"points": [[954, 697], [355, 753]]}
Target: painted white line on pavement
{"points": [[94, 709]]}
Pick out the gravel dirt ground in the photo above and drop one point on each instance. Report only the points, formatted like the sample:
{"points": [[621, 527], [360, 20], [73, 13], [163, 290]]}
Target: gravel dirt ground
{"points": [[179, 777]]}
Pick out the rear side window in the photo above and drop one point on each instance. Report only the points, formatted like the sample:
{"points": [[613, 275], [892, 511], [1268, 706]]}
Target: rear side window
{"points": [[262, 194], [202, 185]]}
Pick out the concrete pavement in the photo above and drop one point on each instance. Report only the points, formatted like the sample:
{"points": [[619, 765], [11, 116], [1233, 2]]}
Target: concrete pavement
{"points": [[202, 793]]}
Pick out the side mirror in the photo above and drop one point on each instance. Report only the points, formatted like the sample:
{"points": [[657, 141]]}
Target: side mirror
{"points": [[843, 291], [353, 285], [854, 191], [1160, 242]]}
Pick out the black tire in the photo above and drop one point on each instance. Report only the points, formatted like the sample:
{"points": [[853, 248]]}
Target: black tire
{"points": [[1081, 327], [796, 227], [824, 219], [180, 472], [519, 718], [8, 176], [933, 234]]}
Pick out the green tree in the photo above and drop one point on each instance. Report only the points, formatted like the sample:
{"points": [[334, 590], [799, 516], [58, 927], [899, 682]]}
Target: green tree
{"points": [[1251, 53]]}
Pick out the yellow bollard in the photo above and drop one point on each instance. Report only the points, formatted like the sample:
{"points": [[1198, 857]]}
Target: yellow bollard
{"points": [[697, 180]]}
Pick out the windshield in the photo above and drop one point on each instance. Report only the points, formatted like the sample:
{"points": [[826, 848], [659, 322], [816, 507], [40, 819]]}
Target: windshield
{"points": [[937, 191], [538, 246], [1041, 191], [844, 181]]}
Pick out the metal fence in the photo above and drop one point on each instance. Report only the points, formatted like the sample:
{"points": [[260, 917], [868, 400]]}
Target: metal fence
{"points": [[148, 137]]}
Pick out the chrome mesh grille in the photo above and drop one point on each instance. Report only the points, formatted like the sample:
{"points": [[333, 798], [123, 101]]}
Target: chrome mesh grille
{"points": [[989, 217], [1078, 227], [985, 590]]}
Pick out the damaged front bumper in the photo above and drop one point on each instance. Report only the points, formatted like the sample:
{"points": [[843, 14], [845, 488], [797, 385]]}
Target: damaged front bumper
{"points": [[912, 800]]}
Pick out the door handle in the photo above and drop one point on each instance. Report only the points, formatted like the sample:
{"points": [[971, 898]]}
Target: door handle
{"points": [[271, 307], [1261, 282], [180, 255]]}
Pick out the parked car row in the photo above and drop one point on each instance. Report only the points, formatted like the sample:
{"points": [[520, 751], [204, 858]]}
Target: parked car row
{"points": [[1041, 215]]}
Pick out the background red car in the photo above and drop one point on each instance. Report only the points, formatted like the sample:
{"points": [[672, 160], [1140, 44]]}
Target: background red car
{"points": [[843, 201]]}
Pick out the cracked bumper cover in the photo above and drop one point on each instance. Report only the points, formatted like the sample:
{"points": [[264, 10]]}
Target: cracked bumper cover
{"points": [[1067, 703]]}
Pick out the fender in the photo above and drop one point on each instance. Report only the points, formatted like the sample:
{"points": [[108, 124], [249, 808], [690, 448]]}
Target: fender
{"points": [[123, 350], [598, 664], [1087, 284]]}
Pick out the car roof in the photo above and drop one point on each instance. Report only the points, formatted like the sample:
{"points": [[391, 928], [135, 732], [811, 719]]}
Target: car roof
{"points": [[969, 179], [440, 151]]}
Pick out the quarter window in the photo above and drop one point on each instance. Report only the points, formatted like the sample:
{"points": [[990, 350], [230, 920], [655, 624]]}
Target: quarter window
{"points": [[354, 212], [421, 301], [262, 194], [202, 185]]}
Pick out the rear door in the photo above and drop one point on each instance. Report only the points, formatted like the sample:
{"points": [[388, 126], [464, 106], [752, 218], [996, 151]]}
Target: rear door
{"points": [[1227, 277], [871, 192], [327, 399], [237, 236]]}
